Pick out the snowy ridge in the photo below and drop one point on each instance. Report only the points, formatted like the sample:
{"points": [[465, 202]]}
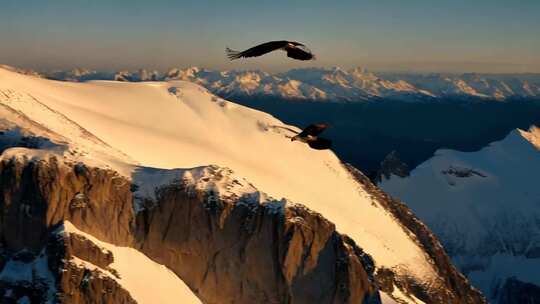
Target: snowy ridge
{"points": [[146, 131], [333, 84], [65, 137], [483, 206], [217, 182]]}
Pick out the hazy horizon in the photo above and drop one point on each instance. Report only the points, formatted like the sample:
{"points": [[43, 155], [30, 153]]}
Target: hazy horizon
{"points": [[415, 36], [50, 71]]}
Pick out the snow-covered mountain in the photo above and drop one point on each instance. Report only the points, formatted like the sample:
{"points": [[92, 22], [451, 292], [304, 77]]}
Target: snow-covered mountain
{"points": [[334, 84], [496, 86], [485, 208], [313, 84], [109, 187]]}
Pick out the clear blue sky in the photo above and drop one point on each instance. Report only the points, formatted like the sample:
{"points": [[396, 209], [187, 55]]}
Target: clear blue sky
{"points": [[437, 35]]}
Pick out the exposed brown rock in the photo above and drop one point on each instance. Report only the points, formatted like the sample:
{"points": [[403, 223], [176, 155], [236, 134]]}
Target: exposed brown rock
{"points": [[83, 248], [36, 195], [76, 283], [253, 254], [227, 251], [81, 285]]}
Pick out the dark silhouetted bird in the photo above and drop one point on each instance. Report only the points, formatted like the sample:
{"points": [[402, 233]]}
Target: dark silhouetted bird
{"points": [[310, 136], [295, 50]]}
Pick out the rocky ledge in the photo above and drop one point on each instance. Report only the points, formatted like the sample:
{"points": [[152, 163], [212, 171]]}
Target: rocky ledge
{"points": [[227, 250]]}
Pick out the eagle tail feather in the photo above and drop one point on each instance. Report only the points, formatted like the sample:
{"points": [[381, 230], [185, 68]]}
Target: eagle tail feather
{"points": [[232, 54]]}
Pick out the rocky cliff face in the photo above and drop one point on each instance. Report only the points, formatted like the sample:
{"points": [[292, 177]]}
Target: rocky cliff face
{"points": [[227, 251], [72, 259]]}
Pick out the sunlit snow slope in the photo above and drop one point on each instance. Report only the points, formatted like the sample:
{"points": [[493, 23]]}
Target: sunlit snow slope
{"points": [[181, 125]]}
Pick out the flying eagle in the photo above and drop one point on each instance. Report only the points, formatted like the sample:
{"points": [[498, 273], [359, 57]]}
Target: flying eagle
{"points": [[295, 50], [310, 136]]}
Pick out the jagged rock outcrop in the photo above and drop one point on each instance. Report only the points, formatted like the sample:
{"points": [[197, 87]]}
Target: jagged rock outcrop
{"points": [[78, 283], [54, 276], [226, 251], [392, 165], [275, 254], [461, 172]]}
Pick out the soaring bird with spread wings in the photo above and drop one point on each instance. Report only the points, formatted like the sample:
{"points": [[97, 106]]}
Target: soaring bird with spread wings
{"points": [[295, 50], [310, 136]]}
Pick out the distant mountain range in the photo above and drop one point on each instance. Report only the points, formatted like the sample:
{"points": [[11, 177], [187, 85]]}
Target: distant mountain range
{"points": [[332, 84]]}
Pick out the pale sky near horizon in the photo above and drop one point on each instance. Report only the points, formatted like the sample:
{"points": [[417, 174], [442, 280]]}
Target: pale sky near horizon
{"points": [[414, 35]]}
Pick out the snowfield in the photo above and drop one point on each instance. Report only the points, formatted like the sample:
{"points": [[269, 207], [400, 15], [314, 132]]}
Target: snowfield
{"points": [[130, 127], [484, 206]]}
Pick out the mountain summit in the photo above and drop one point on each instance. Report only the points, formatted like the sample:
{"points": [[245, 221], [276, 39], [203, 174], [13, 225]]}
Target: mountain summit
{"points": [[483, 205], [106, 185]]}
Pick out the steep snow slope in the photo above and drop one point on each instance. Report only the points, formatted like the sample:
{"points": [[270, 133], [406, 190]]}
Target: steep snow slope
{"points": [[180, 125], [484, 206], [148, 282]]}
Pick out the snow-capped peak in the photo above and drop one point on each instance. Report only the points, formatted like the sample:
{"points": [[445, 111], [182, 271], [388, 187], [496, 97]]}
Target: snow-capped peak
{"points": [[333, 84], [532, 135], [177, 124], [483, 205]]}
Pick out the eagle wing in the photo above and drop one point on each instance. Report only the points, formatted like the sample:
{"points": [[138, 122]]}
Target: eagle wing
{"points": [[285, 128], [299, 52], [320, 144], [258, 50], [313, 130]]}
